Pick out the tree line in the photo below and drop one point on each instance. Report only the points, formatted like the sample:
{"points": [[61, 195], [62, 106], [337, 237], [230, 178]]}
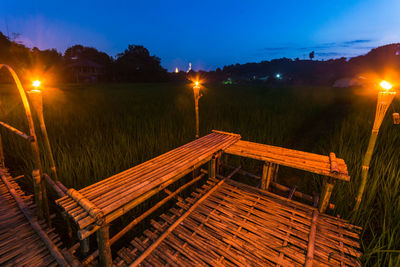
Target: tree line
{"points": [[135, 64]]}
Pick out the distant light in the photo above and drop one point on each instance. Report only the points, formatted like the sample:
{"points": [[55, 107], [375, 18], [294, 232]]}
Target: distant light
{"points": [[176, 70], [278, 75], [35, 91], [196, 83], [36, 83], [385, 85]]}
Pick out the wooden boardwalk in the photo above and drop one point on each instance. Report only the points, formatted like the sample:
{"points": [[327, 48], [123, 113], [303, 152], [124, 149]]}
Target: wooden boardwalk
{"points": [[226, 223], [20, 242]]}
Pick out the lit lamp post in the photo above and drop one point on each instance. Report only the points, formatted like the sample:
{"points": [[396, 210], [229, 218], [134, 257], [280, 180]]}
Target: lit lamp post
{"points": [[36, 99], [197, 95], [385, 98]]}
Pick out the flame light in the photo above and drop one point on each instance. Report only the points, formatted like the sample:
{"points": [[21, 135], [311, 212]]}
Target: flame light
{"points": [[385, 85], [36, 83]]}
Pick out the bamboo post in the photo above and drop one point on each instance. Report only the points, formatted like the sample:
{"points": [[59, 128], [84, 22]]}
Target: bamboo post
{"points": [[38, 193], [103, 243], [212, 167], [35, 96], [34, 144], [268, 173], [326, 193], [385, 98], [85, 247], [196, 93], [2, 163]]}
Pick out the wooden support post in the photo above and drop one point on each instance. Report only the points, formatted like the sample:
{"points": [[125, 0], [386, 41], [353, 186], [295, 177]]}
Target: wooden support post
{"points": [[37, 187], [268, 174], [85, 247], [2, 164], [326, 193], [264, 175], [103, 243], [212, 167]]}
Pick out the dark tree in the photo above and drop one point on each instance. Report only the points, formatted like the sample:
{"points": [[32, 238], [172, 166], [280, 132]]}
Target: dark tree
{"points": [[136, 64]]}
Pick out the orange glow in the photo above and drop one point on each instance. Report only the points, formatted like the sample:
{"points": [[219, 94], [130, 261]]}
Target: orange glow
{"points": [[35, 91], [386, 85], [36, 83], [196, 83]]}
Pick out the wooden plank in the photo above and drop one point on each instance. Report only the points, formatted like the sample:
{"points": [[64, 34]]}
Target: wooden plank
{"points": [[315, 163]]}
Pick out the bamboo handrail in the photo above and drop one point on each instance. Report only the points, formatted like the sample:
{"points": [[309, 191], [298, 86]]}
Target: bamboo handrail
{"points": [[17, 132], [42, 206]]}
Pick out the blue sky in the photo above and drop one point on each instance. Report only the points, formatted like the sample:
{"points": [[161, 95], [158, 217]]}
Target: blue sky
{"points": [[209, 34]]}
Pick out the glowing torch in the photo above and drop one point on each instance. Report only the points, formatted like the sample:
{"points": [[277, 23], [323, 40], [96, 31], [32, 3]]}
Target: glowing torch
{"points": [[197, 95], [385, 98], [36, 99]]}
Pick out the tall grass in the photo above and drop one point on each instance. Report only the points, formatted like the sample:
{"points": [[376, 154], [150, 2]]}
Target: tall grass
{"points": [[99, 130]]}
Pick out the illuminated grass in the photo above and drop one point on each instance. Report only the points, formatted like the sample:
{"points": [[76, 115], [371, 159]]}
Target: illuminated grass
{"points": [[99, 130]]}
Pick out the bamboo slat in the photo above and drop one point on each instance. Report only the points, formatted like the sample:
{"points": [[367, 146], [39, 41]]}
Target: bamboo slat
{"points": [[237, 225], [319, 164], [118, 194], [23, 239]]}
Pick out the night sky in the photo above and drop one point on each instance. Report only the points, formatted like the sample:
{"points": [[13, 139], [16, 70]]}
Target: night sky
{"points": [[209, 34]]}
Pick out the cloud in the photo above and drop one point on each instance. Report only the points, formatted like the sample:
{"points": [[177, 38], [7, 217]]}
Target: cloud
{"points": [[322, 50]]}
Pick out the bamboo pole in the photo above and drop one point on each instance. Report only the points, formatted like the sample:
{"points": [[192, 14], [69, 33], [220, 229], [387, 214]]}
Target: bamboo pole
{"points": [[38, 192], [311, 240], [28, 113], [103, 243], [196, 93], [174, 225], [326, 193], [35, 96], [212, 167], [2, 163], [384, 100], [16, 131], [85, 247]]}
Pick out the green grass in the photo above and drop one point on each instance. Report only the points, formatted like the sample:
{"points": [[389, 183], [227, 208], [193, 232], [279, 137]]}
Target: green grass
{"points": [[99, 130]]}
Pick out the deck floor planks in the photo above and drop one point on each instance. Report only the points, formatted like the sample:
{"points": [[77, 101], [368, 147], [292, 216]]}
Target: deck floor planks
{"points": [[19, 243], [238, 225]]}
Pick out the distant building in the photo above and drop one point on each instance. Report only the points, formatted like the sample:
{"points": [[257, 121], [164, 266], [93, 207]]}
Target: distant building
{"points": [[86, 71]]}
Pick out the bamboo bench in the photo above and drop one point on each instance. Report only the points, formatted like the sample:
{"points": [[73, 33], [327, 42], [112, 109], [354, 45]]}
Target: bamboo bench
{"points": [[329, 166], [94, 207]]}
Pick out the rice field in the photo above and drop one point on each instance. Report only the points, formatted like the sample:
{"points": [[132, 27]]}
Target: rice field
{"points": [[99, 130]]}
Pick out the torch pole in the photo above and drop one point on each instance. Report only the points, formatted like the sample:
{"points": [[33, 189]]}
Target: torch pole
{"points": [[37, 103], [197, 115], [384, 101], [196, 93]]}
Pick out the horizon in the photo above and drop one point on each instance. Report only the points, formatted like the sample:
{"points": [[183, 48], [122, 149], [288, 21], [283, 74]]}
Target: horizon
{"points": [[209, 35]]}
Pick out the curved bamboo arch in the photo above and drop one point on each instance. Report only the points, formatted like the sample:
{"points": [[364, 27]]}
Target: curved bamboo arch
{"points": [[37, 172]]}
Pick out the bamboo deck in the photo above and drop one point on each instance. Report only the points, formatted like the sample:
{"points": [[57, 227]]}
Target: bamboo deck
{"points": [[110, 198], [225, 223], [325, 165], [20, 243]]}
